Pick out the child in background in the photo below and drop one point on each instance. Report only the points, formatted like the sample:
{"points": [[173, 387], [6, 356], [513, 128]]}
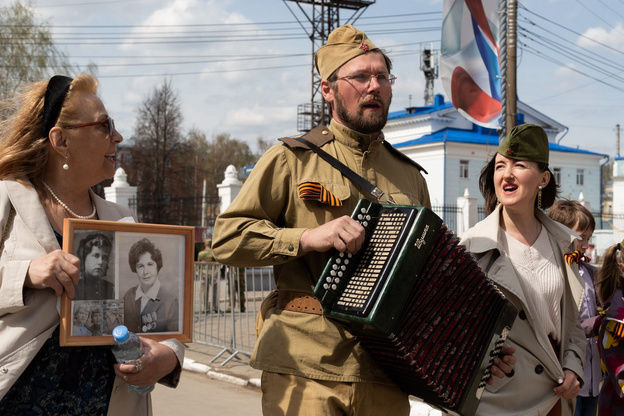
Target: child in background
{"points": [[609, 327], [578, 218]]}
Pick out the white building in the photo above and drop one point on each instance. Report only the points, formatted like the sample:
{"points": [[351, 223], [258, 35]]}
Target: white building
{"points": [[453, 151]]}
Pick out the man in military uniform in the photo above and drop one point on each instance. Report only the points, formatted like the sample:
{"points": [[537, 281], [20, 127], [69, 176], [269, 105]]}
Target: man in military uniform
{"points": [[310, 364]]}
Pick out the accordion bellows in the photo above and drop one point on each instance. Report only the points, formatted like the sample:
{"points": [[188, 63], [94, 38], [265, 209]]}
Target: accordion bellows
{"points": [[419, 304]]}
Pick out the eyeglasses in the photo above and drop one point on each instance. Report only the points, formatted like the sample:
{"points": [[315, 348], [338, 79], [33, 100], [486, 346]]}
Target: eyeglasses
{"points": [[365, 79], [109, 121]]}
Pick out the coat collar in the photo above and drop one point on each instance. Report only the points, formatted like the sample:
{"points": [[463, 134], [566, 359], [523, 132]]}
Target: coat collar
{"points": [[486, 233], [25, 200]]}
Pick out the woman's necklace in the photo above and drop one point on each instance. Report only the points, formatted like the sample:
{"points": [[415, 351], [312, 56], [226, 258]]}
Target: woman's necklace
{"points": [[61, 203]]}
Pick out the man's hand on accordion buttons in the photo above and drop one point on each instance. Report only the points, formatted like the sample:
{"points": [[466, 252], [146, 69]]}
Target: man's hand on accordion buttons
{"points": [[344, 234], [503, 364]]}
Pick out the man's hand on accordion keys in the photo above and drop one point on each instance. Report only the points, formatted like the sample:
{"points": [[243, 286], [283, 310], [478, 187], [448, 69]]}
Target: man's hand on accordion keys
{"points": [[344, 234], [503, 364]]}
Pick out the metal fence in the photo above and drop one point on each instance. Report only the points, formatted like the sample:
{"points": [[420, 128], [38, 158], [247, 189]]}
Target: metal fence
{"points": [[226, 299], [225, 303]]}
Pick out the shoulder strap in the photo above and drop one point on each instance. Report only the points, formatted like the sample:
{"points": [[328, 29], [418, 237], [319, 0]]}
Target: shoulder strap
{"points": [[345, 170], [5, 231]]}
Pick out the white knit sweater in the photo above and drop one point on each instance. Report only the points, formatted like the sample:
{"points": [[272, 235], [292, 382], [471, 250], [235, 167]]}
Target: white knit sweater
{"points": [[540, 277]]}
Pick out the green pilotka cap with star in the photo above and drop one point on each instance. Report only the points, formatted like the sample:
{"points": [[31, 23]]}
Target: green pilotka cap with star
{"points": [[343, 44], [526, 142]]}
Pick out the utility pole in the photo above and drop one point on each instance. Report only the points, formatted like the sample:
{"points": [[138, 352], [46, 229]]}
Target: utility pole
{"points": [[512, 33], [508, 10], [617, 140]]}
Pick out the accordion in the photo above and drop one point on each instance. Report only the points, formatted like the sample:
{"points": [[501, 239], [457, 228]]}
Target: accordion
{"points": [[419, 304]]}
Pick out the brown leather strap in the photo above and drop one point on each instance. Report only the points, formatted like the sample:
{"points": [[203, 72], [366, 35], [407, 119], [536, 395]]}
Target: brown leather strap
{"points": [[298, 302]]}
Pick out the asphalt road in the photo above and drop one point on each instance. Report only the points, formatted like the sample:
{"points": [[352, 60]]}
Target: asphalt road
{"points": [[197, 394]]}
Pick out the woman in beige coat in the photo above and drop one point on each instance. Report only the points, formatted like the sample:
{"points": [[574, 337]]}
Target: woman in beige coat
{"points": [[57, 145], [522, 251]]}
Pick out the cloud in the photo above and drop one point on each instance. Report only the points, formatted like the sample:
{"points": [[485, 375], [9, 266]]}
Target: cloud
{"points": [[613, 38]]}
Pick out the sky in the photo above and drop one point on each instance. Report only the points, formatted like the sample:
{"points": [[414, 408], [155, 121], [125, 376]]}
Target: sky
{"points": [[242, 67]]}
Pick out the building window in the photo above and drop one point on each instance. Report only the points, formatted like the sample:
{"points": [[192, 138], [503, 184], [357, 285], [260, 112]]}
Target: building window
{"points": [[557, 175], [463, 169], [580, 177]]}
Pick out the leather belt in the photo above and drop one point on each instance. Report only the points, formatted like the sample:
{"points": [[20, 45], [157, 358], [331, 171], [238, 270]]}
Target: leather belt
{"points": [[298, 302]]}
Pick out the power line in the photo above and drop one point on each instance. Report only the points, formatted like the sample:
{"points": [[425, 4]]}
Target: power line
{"points": [[572, 31]]}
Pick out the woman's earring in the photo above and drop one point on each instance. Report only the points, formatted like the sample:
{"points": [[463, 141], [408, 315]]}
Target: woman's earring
{"points": [[66, 166], [539, 197]]}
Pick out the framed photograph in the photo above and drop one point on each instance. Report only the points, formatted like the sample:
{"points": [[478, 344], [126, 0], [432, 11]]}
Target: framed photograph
{"points": [[132, 274]]}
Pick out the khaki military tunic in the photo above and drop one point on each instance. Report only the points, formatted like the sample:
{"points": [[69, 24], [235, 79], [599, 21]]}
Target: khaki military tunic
{"points": [[263, 225]]}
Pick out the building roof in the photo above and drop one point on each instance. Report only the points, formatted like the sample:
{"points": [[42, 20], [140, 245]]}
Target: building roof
{"points": [[482, 136]]}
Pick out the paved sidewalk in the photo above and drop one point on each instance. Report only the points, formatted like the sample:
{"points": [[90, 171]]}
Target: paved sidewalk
{"points": [[201, 358], [237, 371]]}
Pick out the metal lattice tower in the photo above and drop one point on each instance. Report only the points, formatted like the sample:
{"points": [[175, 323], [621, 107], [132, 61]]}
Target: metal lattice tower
{"points": [[429, 66], [324, 17]]}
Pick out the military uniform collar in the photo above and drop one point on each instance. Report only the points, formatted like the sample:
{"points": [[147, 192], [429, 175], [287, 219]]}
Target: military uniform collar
{"points": [[352, 138]]}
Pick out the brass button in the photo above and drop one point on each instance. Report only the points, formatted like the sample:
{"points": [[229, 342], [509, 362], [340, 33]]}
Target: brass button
{"points": [[324, 132]]}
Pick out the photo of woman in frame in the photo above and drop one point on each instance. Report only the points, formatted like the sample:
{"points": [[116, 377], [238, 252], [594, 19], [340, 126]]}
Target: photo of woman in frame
{"points": [[154, 281], [94, 249]]}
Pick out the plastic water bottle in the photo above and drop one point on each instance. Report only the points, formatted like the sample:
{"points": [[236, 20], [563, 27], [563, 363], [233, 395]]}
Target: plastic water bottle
{"points": [[127, 349]]}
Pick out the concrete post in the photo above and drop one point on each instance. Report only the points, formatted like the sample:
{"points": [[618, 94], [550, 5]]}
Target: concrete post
{"points": [[229, 188], [466, 212], [582, 201], [120, 191]]}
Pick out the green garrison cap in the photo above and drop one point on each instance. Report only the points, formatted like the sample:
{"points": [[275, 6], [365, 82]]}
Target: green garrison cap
{"points": [[343, 44], [526, 142]]}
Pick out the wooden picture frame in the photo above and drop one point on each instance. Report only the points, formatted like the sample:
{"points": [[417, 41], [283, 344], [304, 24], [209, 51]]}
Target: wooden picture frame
{"points": [[106, 295]]}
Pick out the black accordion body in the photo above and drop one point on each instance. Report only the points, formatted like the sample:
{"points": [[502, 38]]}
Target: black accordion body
{"points": [[419, 304]]}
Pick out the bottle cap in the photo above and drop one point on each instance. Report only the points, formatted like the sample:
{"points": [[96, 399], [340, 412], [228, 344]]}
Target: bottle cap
{"points": [[120, 333]]}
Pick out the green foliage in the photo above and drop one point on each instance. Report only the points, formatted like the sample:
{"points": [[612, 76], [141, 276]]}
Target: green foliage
{"points": [[27, 51]]}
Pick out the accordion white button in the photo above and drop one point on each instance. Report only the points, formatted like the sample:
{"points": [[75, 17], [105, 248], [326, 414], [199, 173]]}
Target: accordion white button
{"points": [[334, 287], [326, 286]]}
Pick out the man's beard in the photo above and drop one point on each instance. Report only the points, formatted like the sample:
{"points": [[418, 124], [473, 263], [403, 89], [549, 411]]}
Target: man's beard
{"points": [[365, 124]]}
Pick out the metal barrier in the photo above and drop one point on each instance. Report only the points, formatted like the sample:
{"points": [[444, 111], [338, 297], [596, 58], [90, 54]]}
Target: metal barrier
{"points": [[225, 303]]}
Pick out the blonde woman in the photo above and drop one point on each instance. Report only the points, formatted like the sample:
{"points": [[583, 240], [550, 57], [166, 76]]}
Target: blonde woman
{"points": [[58, 143]]}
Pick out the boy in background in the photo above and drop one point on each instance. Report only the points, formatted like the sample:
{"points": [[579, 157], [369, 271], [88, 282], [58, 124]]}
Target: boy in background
{"points": [[578, 218]]}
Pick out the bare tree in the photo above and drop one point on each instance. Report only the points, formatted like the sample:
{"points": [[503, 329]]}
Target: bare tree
{"points": [[159, 157], [27, 51]]}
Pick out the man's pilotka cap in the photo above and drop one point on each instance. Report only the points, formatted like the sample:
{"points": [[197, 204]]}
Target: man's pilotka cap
{"points": [[526, 142], [343, 44]]}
